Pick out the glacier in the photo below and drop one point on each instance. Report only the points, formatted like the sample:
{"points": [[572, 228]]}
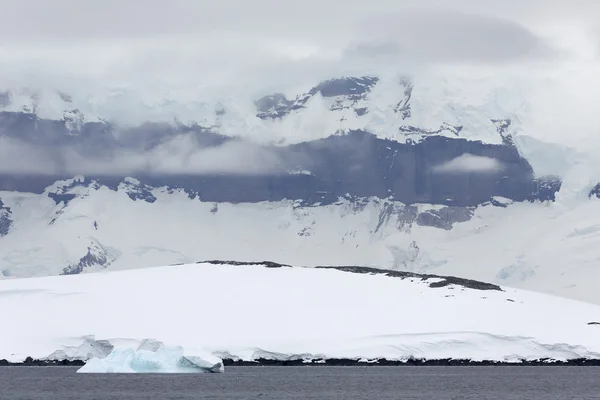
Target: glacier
{"points": [[252, 311]]}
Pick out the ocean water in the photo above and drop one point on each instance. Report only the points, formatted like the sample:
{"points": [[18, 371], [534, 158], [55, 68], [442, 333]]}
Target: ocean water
{"points": [[315, 382]]}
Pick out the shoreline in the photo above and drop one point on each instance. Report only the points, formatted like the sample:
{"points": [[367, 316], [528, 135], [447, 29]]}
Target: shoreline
{"points": [[30, 362], [335, 362]]}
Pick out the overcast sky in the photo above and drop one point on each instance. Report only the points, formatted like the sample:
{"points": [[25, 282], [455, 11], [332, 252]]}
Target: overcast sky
{"points": [[218, 39], [477, 30], [247, 41], [68, 19]]}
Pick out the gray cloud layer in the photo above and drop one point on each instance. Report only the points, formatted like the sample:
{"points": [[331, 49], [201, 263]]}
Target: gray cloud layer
{"points": [[260, 46], [476, 26], [179, 155], [134, 18], [238, 41]]}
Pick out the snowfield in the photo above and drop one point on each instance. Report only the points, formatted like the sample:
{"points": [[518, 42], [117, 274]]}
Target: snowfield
{"points": [[249, 312], [548, 247]]}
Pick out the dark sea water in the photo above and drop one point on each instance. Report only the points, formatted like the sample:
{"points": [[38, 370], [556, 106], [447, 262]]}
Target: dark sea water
{"points": [[323, 383]]}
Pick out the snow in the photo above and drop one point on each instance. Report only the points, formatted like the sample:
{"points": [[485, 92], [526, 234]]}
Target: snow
{"points": [[250, 312], [152, 357], [555, 250]]}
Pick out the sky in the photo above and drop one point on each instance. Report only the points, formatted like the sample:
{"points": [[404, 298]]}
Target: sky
{"points": [[320, 20], [260, 46], [115, 37]]}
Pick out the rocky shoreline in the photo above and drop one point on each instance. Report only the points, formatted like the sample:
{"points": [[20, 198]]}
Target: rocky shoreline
{"points": [[336, 362]]}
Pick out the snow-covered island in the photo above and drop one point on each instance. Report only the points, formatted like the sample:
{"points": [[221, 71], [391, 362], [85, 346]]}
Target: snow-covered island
{"points": [[266, 311]]}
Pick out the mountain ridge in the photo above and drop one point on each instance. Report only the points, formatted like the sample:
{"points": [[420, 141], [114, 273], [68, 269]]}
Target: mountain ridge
{"points": [[94, 227], [356, 170]]}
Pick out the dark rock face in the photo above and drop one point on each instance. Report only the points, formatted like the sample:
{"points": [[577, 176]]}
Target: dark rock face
{"points": [[357, 164], [349, 90], [347, 86], [408, 130], [151, 135], [266, 264], [96, 138], [406, 215], [52, 135], [502, 126], [5, 219], [595, 191], [443, 281], [546, 188], [61, 194], [138, 191], [361, 165], [273, 106], [62, 198], [403, 106], [135, 190], [445, 217], [96, 256]]}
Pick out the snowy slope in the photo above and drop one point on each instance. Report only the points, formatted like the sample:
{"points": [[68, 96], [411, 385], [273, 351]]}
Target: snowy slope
{"points": [[547, 247], [250, 312]]}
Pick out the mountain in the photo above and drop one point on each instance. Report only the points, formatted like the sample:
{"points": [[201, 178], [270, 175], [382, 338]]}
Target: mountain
{"points": [[361, 170], [239, 311], [81, 225]]}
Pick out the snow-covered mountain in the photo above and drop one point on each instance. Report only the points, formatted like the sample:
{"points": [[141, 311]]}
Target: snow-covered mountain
{"points": [[395, 107], [287, 313], [383, 171], [79, 225]]}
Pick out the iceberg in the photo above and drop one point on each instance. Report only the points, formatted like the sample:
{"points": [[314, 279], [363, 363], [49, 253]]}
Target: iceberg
{"points": [[152, 356]]}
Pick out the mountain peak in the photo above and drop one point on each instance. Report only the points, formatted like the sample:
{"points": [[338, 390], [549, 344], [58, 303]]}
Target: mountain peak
{"points": [[136, 190], [64, 191]]}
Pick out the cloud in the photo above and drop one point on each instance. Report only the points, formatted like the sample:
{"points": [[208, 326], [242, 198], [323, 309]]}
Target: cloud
{"points": [[138, 18], [15, 157], [469, 163], [136, 60], [448, 35], [77, 46], [177, 156], [203, 42]]}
